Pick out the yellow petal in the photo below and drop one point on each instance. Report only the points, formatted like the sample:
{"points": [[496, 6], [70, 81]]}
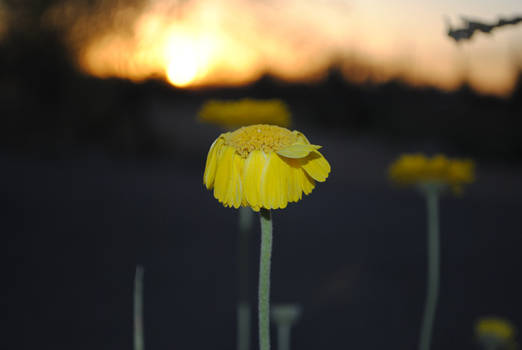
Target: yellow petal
{"points": [[211, 164], [224, 167], [234, 190], [271, 183], [297, 150], [294, 187], [283, 173], [316, 166], [267, 183], [252, 170], [307, 183]]}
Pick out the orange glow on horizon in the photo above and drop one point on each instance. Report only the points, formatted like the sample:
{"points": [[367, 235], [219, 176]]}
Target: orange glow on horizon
{"points": [[233, 42]]}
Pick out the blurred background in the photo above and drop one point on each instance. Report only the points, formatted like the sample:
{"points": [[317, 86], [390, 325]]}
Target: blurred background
{"points": [[102, 157]]}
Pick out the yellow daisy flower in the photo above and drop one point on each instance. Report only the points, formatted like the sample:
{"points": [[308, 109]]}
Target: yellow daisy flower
{"points": [[234, 114], [496, 327], [263, 166], [412, 169]]}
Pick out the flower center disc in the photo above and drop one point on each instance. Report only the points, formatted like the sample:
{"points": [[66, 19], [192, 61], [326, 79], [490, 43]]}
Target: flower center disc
{"points": [[266, 138]]}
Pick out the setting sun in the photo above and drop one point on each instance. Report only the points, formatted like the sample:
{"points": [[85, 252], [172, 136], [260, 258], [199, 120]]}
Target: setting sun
{"points": [[183, 68]]}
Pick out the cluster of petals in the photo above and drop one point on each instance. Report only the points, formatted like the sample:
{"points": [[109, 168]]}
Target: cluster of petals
{"points": [[263, 166], [233, 114], [412, 169]]}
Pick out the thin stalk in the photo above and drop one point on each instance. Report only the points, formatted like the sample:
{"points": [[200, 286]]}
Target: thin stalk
{"points": [[264, 279], [139, 338], [283, 337], [285, 316], [432, 199], [243, 326], [243, 307]]}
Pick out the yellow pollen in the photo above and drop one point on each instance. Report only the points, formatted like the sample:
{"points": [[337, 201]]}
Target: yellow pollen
{"points": [[261, 137]]}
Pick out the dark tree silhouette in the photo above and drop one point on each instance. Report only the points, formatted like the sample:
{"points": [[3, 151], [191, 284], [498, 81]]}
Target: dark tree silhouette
{"points": [[471, 27]]}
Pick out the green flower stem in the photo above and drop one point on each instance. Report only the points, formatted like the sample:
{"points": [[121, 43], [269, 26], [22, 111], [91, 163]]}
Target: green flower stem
{"points": [[264, 280], [139, 339], [285, 316], [243, 308], [432, 200], [283, 337], [243, 326]]}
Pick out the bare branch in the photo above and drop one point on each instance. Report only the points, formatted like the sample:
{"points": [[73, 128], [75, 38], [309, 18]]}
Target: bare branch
{"points": [[470, 27]]}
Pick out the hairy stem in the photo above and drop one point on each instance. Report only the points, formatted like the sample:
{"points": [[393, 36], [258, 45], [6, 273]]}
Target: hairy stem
{"points": [[264, 279]]}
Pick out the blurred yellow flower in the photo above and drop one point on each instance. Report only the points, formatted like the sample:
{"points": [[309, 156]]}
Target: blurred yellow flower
{"points": [[497, 328], [411, 169], [263, 166], [234, 114]]}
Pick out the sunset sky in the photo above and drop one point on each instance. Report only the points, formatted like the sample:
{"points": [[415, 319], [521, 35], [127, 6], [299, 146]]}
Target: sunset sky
{"points": [[227, 42]]}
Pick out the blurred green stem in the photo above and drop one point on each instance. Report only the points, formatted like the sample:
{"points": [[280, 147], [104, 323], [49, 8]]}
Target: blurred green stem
{"points": [[243, 308], [139, 339], [283, 337], [264, 279], [431, 192], [285, 316]]}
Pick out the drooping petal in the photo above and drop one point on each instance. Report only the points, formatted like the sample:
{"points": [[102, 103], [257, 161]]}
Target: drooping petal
{"points": [[235, 187], [307, 183], [283, 172], [211, 164], [297, 150], [271, 185], [267, 183], [223, 170], [316, 166], [294, 188], [252, 170]]}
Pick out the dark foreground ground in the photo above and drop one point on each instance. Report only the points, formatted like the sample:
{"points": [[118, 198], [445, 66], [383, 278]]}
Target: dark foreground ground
{"points": [[352, 254]]}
